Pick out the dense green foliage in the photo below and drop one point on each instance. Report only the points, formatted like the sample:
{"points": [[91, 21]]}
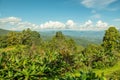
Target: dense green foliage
{"points": [[25, 56], [111, 39]]}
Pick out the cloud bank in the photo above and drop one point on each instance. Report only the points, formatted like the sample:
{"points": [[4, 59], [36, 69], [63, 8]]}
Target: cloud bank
{"points": [[15, 23]]}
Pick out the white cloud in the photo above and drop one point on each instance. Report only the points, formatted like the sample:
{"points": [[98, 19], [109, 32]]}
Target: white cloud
{"points": [[100, 25], [14, 23], [25, 25], [89, 23], [52, 25], [70, 24], [10, 20], [97, 3]]}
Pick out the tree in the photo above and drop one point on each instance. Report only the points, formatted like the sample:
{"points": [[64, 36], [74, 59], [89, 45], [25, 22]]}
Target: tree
{"points": [[13, 38], [35, 37], [59, 35], [93, 54], [64, 46], [29, 37], [25, 37], [118, 45], [58, 42], [111, 39]]}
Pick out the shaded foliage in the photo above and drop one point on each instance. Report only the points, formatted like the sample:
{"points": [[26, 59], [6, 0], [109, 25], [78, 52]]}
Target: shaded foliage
{"points": [[3, 41]]}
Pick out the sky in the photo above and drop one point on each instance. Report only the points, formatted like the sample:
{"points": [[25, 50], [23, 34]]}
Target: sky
{"points": [[59, 14]]}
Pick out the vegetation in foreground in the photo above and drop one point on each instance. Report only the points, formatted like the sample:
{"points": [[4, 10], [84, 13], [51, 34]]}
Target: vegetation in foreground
{"points": [[25, 56]]}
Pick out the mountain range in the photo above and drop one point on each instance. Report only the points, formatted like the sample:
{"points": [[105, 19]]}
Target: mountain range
{"points": [[81, 37]]}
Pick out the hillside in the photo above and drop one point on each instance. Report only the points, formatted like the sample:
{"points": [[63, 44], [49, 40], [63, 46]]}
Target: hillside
{"points": [[81, 37], [26, 55], [74, 33], [3, 32]]}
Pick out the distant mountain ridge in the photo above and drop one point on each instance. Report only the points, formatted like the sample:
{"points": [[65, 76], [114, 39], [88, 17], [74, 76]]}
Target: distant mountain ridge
{"points": [[81, 37], [74, 33]]}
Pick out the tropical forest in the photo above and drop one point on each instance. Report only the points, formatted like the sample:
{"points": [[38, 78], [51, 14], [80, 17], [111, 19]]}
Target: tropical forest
{"points": [[24, 55], [59, 39]]}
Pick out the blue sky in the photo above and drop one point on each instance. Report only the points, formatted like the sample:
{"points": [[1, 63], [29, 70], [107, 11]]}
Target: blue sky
{"points": [[59, 14]]}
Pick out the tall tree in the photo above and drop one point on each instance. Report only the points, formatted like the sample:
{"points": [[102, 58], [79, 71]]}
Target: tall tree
{"points": [[111, 39], [29, 37], [35, 37], [25, 37]]}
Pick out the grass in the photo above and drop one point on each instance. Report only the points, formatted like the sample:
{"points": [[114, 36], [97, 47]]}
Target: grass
{"points": [[108, 71]]}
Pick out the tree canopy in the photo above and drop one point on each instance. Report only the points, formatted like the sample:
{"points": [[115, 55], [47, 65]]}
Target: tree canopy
{"points": [[111, 39]]}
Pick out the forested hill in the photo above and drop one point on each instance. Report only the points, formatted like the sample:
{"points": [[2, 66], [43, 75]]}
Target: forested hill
{"points": [[25, 55], [71, 33], [81, 37], [4, 32], [74, 33]]}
